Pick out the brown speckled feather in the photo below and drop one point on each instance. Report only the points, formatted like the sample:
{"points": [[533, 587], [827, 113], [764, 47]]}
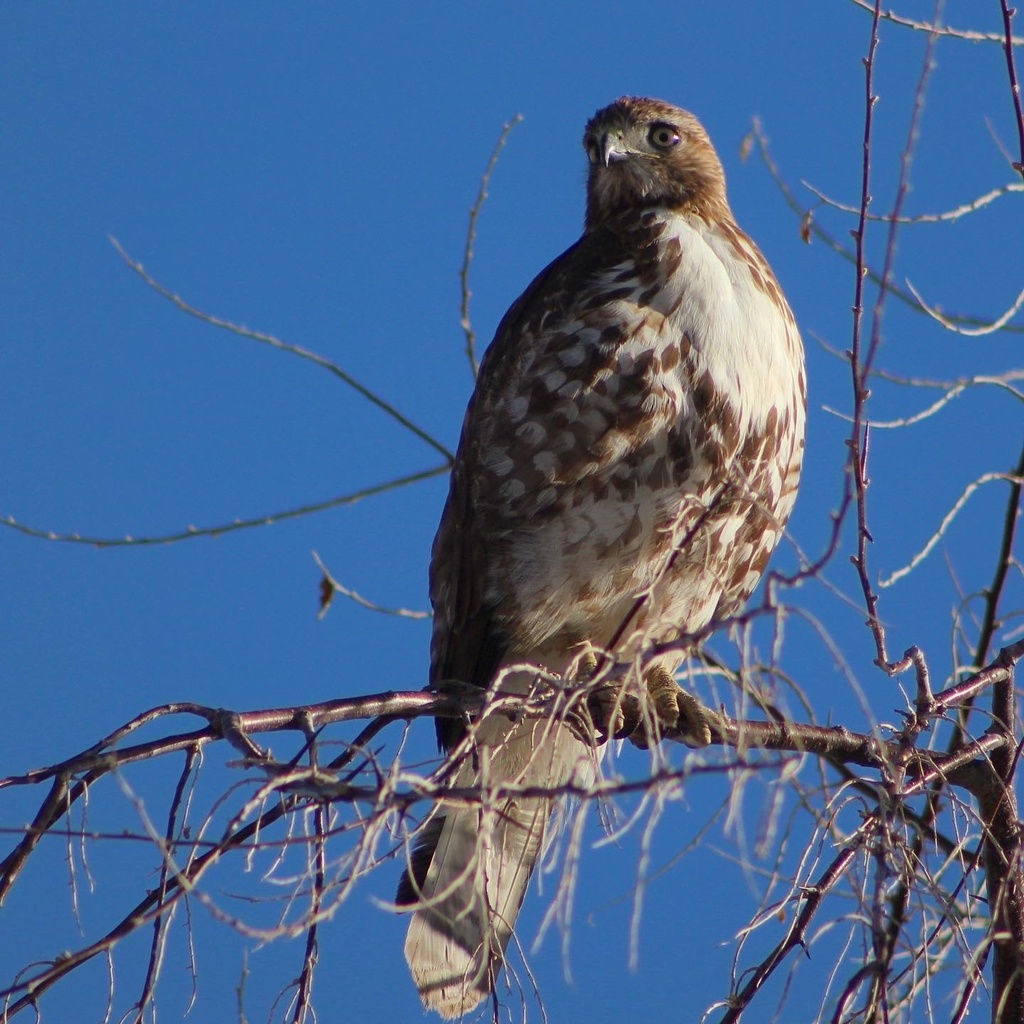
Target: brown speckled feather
{"points": [[474, 637]]}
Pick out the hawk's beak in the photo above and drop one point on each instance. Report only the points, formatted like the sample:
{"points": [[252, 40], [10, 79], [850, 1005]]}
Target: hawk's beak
{"points": [[613, 148]]}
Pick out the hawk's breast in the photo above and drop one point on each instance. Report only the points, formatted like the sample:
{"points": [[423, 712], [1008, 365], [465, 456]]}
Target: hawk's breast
{"points": [[643, 437]]}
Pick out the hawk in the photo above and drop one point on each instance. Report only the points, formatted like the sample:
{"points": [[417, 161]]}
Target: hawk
{"points": [[627, 464]]}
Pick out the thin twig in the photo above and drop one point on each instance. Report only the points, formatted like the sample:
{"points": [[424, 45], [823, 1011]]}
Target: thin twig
{"points": [[283, 346], [304, 984], [161, 921], [969, 332], [810, 227], [970, 35], [955, 390], [467, 257], [923, 218], [192, 532], [812, 897], [947, 521], [861, 362], [1011, 70], [331, 586]]}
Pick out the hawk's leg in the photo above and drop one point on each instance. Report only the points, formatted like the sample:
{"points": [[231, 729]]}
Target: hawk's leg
{"points": [[673, 708]]}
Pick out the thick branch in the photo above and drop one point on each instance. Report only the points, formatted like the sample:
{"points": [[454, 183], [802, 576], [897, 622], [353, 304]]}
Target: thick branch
{"points": [[1003, 866]]}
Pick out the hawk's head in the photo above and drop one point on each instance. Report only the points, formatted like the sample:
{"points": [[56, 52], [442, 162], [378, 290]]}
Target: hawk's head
{"points": [[646, 153]]}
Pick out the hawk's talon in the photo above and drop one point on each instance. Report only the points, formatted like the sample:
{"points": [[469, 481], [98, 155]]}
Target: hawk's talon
{"points": [[672, 708], [586, 665]]}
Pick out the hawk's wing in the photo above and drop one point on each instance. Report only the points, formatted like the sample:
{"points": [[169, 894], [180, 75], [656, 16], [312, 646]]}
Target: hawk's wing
{"points": [[467, 645]]}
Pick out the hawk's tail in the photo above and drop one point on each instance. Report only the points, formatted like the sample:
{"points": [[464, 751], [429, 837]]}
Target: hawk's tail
{"points": [[469, 871]]}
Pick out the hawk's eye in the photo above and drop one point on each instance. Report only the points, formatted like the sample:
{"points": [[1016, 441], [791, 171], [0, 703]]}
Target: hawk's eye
{"points": [[663, 136]]}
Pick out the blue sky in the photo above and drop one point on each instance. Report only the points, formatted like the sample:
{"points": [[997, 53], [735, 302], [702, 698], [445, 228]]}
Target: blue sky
{"points": [[308, 171]]}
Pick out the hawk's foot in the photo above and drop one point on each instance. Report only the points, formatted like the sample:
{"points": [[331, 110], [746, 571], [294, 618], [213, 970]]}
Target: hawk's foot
{"points": [[672, 708], [615, 714]]}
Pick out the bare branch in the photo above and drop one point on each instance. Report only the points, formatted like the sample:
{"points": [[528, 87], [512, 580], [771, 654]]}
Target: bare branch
{"points": [[969, 35], [862, 357], [954, 390], [1011, 69], [282, 346], [191, 532], [1002, 852], [970, 332], [467, 258], [810, 227], [812, 898], [947, 521], [330, 586], [994, 592], [923, 218]]}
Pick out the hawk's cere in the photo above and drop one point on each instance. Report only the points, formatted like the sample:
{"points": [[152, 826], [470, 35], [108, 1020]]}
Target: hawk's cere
{"points": [[627, 465]]}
